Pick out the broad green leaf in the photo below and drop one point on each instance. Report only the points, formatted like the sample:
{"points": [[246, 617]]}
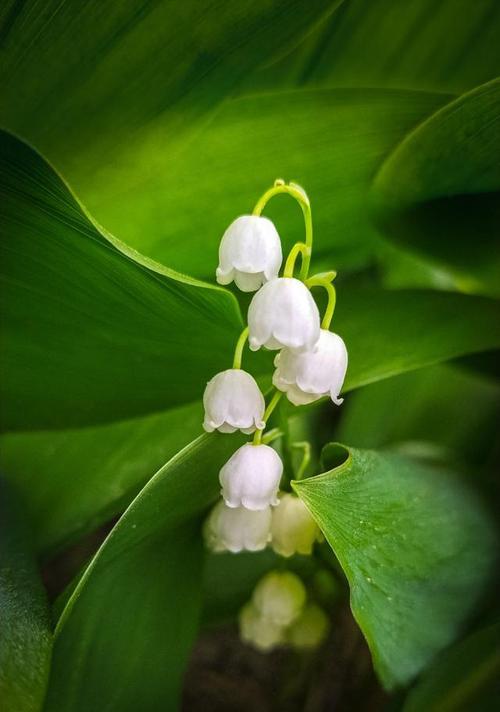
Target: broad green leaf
{"points": [[437, 193], [26, 637], [401, 269], [123, 638], [84, 82], [444, 405], [72, 481], [332, 142], [463, 678], [92, 331], [447, 46], [415, 545], [391, 332]]}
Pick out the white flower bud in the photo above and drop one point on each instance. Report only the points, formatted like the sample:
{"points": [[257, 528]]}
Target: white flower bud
{"points": [[258, 631], [251, 477], [233, 401], [283, 314], [279, 597], [309, 375], [310, 629], [293, 529], [237, 529], [249, 252]]}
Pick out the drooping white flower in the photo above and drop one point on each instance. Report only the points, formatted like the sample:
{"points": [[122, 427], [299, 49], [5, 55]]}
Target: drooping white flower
{"points": [[309, 375], [310, 629], [279, 597], [293, 530], [250, 253], [233, 401], [260, 632], [237, 529], [251, 476], [283, 314]]}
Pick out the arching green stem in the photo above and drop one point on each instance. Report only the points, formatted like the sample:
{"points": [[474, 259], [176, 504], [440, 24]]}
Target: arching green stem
{"points": [[286, 447], [325, 281], [271, 436], [300, 248], [240, 345], [257, 438], [297, 192]]}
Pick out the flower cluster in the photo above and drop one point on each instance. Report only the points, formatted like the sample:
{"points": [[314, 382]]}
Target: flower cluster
{"points": [[278, 614], [311, 363]]}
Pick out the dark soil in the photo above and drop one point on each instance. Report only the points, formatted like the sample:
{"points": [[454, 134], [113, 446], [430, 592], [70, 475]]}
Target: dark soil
{"points": [[226, 676]]}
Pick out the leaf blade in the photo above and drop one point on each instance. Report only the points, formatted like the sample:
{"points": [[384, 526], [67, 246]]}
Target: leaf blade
{"points": [[437, 193], [26, 640], [109, 464], [465, 675], [415, 545], [106, 329], [154, 552], [388, 332]]}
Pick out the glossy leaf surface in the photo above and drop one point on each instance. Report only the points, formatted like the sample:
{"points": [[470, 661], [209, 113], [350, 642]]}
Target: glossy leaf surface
{"points": [[72, 481], [141, 592], [26, 637], [438, 192], [106, 334], [415, 545], [412, 47]]}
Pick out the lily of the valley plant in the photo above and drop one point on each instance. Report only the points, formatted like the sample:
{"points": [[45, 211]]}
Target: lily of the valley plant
{"points": [[256, 509]]}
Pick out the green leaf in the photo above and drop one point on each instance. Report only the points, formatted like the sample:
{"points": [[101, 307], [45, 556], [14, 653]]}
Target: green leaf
{"points": [[415, 545], [26, 638], [412, 47], [437, 193], [75, 480], [100, 83], [463, 678], [92, 331], [124, 636], [391, 332], [333, 144], [444, 405]]}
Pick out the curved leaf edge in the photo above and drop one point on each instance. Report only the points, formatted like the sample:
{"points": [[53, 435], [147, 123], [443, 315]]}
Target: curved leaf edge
{"points": [[380, 177], [115, 531], [146, 263], [389, 682]]}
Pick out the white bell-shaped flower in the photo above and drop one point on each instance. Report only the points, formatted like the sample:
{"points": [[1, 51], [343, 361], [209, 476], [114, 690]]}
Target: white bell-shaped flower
{"points": [[309, 375], [310, 629], [237, 529], [233, 401], [293, 530], [251, 477], [279, 597], [250, 253], [283, 314], [260, 632]]}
